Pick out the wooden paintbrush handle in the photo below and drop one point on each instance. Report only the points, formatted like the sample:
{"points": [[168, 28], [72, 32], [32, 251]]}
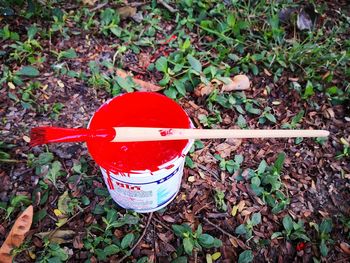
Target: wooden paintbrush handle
{"points": [[127, 134]]}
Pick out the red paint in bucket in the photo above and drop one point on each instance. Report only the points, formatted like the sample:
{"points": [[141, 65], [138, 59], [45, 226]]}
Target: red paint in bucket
{"points": [[138, 109]]}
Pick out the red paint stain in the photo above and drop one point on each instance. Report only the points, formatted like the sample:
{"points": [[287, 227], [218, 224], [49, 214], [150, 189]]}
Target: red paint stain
{"points": [[109, 180], [166, 132], [170, 166], [138, 109]]}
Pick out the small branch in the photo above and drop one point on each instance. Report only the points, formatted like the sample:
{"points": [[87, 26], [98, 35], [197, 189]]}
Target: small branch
{"points": [[167, 6], [219, 228], [139, 240], [239, 242], [161, 223], [98, 6]]}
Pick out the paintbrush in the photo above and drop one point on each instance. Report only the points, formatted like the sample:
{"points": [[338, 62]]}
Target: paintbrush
{"points": [[44, 135]]}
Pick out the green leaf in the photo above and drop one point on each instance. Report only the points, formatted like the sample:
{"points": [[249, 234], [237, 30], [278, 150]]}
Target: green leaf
{"points": [[262, 167], [249, 107], [29, 71], [162, 64], [101, 192], [98, 210], [326, 226], [239, 158], [111, 250], [246, 257], [256, 181], [32, 30], [180, 260], [188, 245], [323, 248], [179, 85], [125, 84], [179, 230], [270, 117], [287, 223], [276, 234], [240, 230], [195, 64], [40, 215], [309, 90], [256, 219], [205, 240], [127, 240], [241, 122], [85, 200], [279, 162], [70, 54], [19, 200]]}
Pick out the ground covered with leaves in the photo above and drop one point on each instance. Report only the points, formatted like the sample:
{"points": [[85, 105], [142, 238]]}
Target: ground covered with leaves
{"points": [[276, 200]]}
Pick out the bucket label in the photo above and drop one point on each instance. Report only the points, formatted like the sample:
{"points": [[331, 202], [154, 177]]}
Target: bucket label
{"points": [[147, 192]]}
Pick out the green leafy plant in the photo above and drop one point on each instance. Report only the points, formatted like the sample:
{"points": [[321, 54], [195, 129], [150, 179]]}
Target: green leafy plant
{"points": [[109, 20], [267, 115], [15, 203], [247, 228], [219, 197], [230, 166], [52, 252], [324, 230], [266, 183], [103, 243], [194, 239], [246, 257], [345, 153], [4, 155], [293, 231]]}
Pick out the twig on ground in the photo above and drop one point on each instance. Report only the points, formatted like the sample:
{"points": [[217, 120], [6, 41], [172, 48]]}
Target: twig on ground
{"points": [[240, 243], [139, 240], [204, 168], [161, 223], [99, 6], [69, 219], [167, 6]]}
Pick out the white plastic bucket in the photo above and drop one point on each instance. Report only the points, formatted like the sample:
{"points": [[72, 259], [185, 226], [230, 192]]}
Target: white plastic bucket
{"points": [[146, 191], [141, 190]]}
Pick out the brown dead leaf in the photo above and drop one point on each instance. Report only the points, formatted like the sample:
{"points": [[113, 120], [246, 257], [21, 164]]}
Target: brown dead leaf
{"points": [[59, 236], [267, 72], [89, 2], [169, 219], [345, 247], [224, 149], [126, 11], [16, 235], [145, 86], [239, 82], [78, 242], [203, 90]]}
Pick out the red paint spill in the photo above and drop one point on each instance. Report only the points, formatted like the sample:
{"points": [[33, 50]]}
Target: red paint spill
{"points": [[166, 132], [138, 109]]}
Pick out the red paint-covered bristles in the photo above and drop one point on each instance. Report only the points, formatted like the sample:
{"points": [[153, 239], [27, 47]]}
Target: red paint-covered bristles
{"points": [[43, 135]]}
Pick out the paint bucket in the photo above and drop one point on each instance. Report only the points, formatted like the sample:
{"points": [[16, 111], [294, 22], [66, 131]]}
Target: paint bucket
{"points": [[141, 176]]}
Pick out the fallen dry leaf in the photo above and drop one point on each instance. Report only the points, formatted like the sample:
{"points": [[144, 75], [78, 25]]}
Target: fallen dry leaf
{"points": [[203, 90], [239, 82], [126, 11], [145, 86], [16, 235], [89, 2], [345, 247], [59, 236]]}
